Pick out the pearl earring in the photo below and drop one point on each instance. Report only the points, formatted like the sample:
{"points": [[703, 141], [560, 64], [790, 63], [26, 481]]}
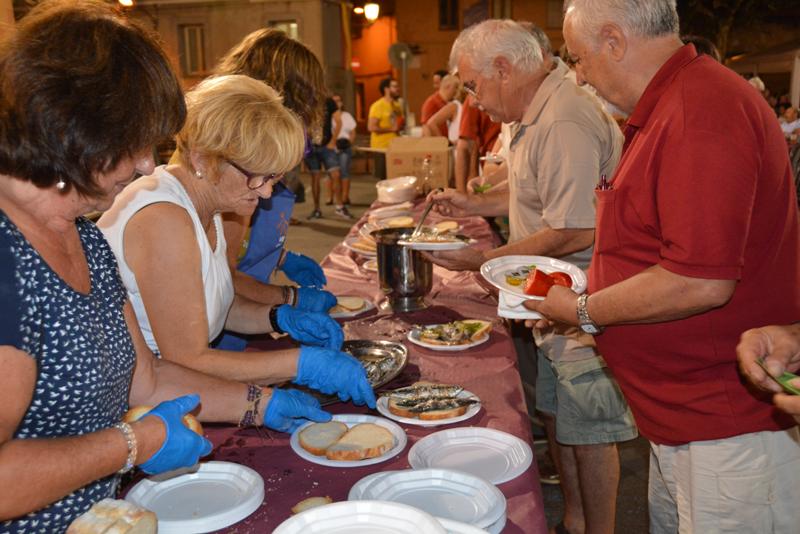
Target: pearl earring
{"points": [[61, 184], [198, 174]]}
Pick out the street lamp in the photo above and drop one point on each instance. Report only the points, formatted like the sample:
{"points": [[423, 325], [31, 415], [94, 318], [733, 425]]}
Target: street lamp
{"points": [[371, 11], [126, 3]]}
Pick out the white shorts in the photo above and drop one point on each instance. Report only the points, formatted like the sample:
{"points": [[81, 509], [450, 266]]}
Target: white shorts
{"points": [[744, 484]]}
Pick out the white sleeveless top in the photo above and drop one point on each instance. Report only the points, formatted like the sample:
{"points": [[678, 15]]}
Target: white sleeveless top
{"points": [[454, 125], [217, 280]]}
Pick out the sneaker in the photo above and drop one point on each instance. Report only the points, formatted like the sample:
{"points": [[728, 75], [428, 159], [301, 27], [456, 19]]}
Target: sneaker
{"points": [[341, 211], [316, 214]]}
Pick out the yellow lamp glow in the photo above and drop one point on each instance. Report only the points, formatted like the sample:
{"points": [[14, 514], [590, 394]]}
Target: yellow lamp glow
{"points": [[358, 10], [371, 11], [126, 3]]}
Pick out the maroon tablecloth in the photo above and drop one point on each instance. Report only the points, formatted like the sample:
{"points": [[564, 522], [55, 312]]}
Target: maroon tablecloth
{"points": [[488, 370]]}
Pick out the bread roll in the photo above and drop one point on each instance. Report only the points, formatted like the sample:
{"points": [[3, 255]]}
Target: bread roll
{"points": [[111, 516], [446, 226], [362, 441], [137, 412], [398, 222], [311, 502], [318, 437], [350, 303]]}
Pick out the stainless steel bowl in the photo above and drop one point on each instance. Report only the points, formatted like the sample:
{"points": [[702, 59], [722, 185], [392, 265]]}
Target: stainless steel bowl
{"points": [[405, 275]]}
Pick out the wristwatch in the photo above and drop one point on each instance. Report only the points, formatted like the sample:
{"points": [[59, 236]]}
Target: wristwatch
{"points": [[585, 322]]}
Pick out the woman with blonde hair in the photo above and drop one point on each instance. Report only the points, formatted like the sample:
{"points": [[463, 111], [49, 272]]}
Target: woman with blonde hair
{"points": [[237, 142], [257, 242]]}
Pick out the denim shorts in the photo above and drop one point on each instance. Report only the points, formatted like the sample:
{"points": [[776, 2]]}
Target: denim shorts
{"points": [[345, 157], [586, 401], [321, 156]]}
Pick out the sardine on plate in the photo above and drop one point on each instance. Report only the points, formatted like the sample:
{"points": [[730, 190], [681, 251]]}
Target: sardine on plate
{"points": [[425, 391], [436, 403]]}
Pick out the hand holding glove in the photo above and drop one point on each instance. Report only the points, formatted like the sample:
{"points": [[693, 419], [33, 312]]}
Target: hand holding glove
{"points": [[289, 409], [303, 270], [182, 447], [331, 371], [314, 300], [312, 328]]}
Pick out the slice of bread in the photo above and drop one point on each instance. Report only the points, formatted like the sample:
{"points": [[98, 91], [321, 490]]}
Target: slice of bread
{"points": [[111, 516], [446, 226], [365, 245], [483, 330], [311, 502], [398, 222], [430, 415], [350, 303], [362, 441], [318, 437]]}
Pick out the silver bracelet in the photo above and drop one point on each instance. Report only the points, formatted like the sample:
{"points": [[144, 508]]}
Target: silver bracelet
{"points": [[130, 440]]}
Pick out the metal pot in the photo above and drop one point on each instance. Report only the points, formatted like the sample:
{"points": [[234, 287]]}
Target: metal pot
{"points": [[405, 276]]}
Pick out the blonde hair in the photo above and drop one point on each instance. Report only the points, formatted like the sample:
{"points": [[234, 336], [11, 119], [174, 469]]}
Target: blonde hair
{"points": [[241, 119]]}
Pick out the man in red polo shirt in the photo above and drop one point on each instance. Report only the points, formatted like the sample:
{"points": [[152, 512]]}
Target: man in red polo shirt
{"points": [[445, 93], [696, 241], [476, 136]]}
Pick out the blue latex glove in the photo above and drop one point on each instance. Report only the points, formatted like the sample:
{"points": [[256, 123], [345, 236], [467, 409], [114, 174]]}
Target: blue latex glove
{"points": [[289, 409], [331, 371], [182, 447], [312, 328], [303, 270], [314, 300]]}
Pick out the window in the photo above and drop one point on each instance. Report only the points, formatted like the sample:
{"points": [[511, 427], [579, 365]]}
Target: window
{"points": [[289, 27], [555, 13], [448, 14], [192, 49]]}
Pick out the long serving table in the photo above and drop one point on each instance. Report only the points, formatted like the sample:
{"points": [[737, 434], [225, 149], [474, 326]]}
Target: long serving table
{"points": [[488, 370]]}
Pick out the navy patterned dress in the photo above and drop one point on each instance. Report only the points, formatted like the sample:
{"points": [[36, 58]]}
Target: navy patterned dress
{"points": [[83, 351]]}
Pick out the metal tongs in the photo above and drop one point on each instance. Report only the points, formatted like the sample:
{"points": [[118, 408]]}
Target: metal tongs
{"points": [[425, 213]]}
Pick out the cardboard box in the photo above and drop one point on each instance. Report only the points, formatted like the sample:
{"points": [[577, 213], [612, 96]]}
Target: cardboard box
{"points": [[406, 154]]}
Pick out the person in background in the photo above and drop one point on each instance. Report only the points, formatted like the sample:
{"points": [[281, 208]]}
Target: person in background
{"points": [[437, 78], [477, 134], [703, 45], [562, 141], [344, 135], [323, 155], [256, 247], [237, 142], [385, 121], [77, 123], [697, 240], [447, 118], [447, 91], [790, 122]]}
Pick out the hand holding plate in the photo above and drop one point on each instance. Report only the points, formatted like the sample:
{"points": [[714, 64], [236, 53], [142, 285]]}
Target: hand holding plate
{"points": [[464, 259], [560, 306]]}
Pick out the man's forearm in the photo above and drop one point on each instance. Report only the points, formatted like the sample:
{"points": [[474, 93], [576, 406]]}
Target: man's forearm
{"points": [[656, 295], [547, 242]]}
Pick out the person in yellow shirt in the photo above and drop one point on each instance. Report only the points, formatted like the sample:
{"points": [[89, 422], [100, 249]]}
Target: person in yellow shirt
{"points": [[385, 121]]}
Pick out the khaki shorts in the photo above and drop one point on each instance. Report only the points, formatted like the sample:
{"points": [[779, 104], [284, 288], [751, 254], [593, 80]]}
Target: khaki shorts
{"points": [[586, 401]]}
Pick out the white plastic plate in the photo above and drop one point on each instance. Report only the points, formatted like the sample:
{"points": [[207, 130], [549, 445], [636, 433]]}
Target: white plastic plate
{"points": [[366, 230], [491, 454], [494, 271], [383, 408], [413, 336], [457, 527], [400, 441], [371, 265], [361, 517], [444, 493], [348, 243], [217, 495], [454, 244], [346, 314], [510, 306]]}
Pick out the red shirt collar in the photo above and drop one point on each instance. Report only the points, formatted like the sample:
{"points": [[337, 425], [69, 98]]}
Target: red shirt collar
{"points": [[659, 84]]}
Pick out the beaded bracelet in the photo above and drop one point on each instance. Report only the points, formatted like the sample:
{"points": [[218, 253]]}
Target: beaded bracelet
{"points": [[250, 417], [273, 320], [130, 440], [287, 294]]}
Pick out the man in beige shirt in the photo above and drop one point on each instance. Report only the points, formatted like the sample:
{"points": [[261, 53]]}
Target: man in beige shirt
{"points": [[562, 142]]}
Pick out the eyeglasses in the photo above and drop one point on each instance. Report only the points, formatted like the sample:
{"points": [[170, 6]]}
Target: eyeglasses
{"points": [[255, 181], [471, 88]]}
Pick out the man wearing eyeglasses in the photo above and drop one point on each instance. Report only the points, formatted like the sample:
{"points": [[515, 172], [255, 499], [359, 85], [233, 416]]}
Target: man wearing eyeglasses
{"points": [[561, 142]]}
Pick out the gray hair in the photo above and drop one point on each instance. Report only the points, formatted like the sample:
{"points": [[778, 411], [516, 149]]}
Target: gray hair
{"points": [[644, 18], [490, 39]]}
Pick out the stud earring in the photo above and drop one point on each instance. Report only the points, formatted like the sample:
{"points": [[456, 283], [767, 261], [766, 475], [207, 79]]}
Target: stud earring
{"points": [[61, 184], [198, 174]]}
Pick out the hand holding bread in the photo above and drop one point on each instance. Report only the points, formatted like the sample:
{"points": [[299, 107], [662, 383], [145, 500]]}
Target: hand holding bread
{"points": [[289, 409]]}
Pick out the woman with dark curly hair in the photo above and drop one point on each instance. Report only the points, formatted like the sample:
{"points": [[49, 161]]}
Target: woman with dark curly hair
{"points": [[85, 94], [293, 70]]}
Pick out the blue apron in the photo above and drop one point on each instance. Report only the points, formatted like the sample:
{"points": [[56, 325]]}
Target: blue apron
{"points": [[268, 229]]}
